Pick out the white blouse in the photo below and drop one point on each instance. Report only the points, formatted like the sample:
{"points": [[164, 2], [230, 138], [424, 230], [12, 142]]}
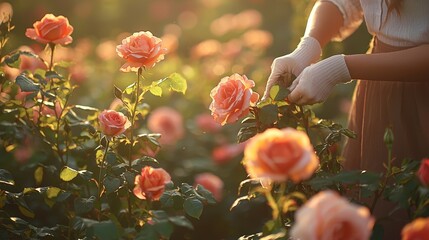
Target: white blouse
{"points": [[408, 28]]}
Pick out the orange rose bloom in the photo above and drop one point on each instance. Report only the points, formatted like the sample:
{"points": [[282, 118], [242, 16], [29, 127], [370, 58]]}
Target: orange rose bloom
{"points": [[150, 184], [278, 155], [328, 216], [416, 230], [232, 98], [51, 29], [423, 172], [113, 123], [141, 49]]}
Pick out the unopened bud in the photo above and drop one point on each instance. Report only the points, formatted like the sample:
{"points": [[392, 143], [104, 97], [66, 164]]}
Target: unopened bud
{"points": [[388, 138]]}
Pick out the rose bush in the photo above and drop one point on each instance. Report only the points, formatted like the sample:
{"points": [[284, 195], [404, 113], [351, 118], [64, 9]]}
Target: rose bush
{"points": [[88, 178]]}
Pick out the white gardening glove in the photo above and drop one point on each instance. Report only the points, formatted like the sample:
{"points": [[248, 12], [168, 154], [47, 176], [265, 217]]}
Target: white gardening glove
{"points": [[317, 81], [307, 52]]}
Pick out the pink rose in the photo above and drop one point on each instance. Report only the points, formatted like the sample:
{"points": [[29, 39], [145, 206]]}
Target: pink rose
{"points": [[206, 123], [150, 184], [168, 122], [280, 154], [212, 183], [416, 230], [328, 216], [141, 49], [51, 29], [232, 98], [423, 172], [225, 153], [113, 123]]}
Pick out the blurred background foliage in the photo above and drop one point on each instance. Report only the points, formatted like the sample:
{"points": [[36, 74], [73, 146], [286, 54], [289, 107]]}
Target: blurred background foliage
{"points": [[207, 40]]}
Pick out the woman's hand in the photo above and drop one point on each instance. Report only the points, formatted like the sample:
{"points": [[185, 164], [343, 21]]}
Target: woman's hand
{"points": [[307, 52], [317, 81]]}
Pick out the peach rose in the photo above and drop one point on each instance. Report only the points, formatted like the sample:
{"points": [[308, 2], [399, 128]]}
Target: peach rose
{"points": [[141, 49], [232, 98], [150, 184], [212, 183], [51, 29], [416, 230], [113, 123], [206, 123], [225, 153], [328, 216], [279, 154], [168, 122], [423, 172]]}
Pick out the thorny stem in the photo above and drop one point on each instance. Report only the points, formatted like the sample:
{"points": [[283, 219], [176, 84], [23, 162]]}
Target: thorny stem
{"points": [[385, 180], [59, 116], [304, 119], [133, 115], [51, 64], [100, 175]]}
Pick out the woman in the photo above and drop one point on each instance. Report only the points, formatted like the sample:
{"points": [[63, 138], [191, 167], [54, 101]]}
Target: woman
{"points": [[395, 92]]}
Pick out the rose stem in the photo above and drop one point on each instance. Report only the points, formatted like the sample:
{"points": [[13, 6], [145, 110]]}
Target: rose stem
{"points": [[100, 175], [133, 114]]}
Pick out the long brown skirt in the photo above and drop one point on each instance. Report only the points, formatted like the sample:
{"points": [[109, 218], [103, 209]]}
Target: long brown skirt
{"points": [[403, 106]]}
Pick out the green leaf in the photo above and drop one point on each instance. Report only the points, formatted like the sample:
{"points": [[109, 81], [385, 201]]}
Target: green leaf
{"points": [[53, 74], [118, 92], [156, 90], [268, 114], [148, 232], [164, 228], [181, 221], [248, 120], [112, 184], [246, 133], [103, 230], [26, 84], [52, 192], [24, 209], [6, 177], [193, 207], [206, 194], [84, 205], [26, 212], [68, 174], [13, 61], [178, 83], [38, 175], [85, 108], [274, 91], [282, 94], [138, 164], [349, 133]]}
